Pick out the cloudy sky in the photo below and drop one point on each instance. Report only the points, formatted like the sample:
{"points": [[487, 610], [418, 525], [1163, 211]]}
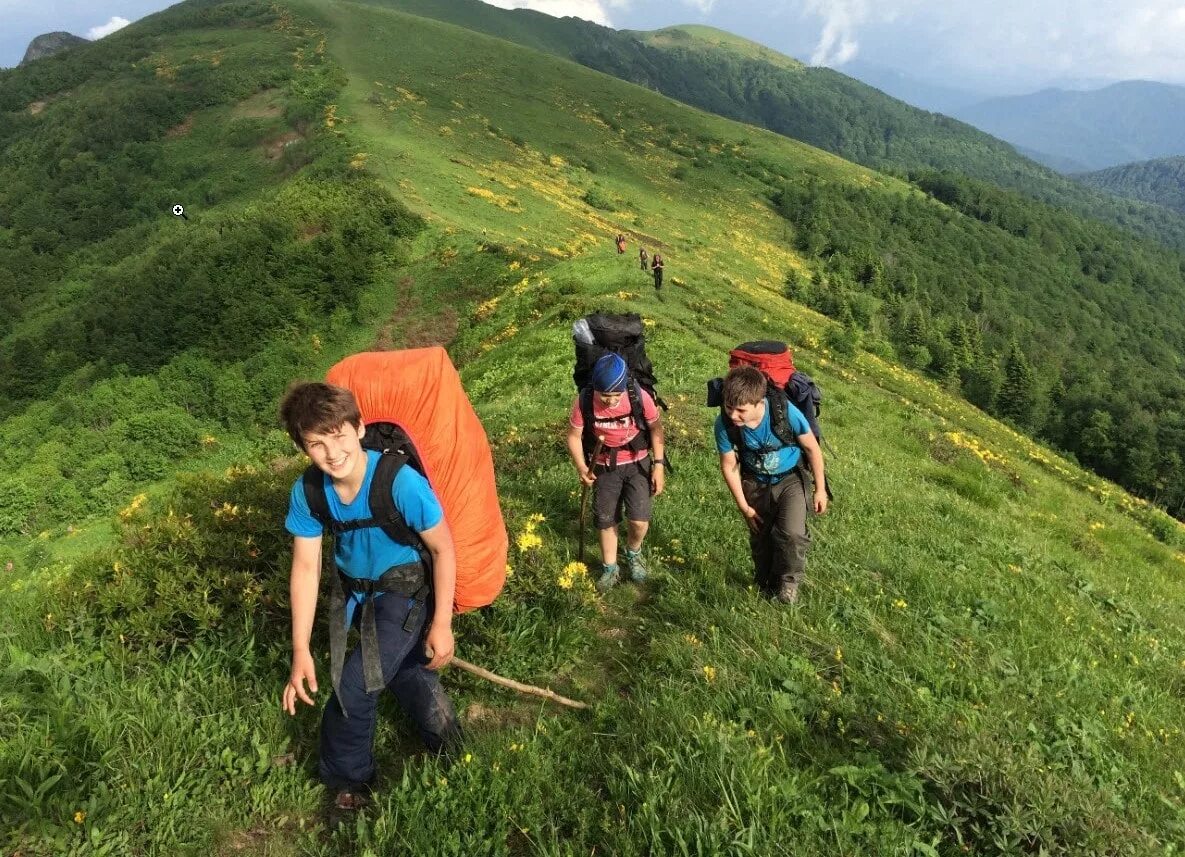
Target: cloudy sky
{"points": [[1005, 45]]}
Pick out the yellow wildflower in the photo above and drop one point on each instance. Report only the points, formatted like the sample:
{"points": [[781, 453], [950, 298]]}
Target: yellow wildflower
{"points": [[528, 540], [710, 674], [79, 817]]}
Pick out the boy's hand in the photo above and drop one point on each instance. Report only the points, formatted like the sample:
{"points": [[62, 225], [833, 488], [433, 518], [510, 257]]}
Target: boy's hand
{"points": [[302, 668], [821, 502], [752, 518], [439, 645], [587, 476], [658, 479]]}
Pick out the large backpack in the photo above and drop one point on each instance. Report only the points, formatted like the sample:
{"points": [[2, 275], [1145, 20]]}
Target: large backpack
{"points": [[597, 335], [416, 413], [776, 363]]}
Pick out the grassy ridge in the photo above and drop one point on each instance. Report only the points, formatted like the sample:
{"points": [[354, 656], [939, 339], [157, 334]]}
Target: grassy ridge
{"points": [[988, 654]]}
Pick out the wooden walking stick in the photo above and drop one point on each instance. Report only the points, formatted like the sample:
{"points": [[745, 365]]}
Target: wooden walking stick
{"points": [[584, 493], [502, 681], [515, 685]]}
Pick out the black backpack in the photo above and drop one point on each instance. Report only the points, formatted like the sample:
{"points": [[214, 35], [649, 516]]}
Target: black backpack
{"points": [[397, 450], [595, 336]]}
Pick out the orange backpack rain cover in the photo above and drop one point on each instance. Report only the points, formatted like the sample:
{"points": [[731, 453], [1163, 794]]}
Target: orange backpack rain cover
{"points": [[421, 391]]}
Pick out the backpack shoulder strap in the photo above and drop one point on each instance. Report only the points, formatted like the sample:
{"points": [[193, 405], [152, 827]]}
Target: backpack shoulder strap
{"points": [[588, 437], [634, 391], [382, 503], [779, 423], [313, 481]]}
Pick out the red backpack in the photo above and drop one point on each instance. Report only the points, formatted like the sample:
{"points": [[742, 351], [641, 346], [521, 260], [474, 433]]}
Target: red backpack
{"points": [[776, 362]]}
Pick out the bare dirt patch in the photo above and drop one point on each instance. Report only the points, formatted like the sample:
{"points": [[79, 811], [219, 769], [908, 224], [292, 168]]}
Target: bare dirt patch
{"points": [[272, 149], [267, 104], [181, 128], [309, 231], [405, 329], [36, 107]]}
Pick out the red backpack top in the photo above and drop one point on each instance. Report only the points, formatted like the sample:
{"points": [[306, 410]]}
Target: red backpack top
{"points": [[774, 359]]}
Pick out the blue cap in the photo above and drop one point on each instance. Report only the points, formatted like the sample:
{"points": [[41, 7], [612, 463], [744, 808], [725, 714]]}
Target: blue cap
{"points": [[609, 375]]}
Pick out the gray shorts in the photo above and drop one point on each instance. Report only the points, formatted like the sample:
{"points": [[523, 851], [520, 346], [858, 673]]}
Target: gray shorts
{"points": [[628, 485]]}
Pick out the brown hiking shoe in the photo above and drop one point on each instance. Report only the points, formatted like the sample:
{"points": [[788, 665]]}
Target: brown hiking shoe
{"points": [[350, 801], [787, 591]]}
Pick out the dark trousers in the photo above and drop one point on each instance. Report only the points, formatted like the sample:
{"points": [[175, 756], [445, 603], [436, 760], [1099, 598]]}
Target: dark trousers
{"points": [[658, 278], [779, 548], [347, 743]]}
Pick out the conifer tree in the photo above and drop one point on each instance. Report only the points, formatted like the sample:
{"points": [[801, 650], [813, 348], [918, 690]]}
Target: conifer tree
{"points": [[1018, 395]]}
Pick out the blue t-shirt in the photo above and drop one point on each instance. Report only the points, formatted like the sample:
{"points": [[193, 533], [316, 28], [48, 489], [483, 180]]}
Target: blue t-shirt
{"points": [[763, 454], [368, 552]]}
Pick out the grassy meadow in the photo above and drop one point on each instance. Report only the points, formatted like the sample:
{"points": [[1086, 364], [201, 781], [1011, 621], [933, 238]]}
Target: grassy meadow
{"points": [[987, 658]]}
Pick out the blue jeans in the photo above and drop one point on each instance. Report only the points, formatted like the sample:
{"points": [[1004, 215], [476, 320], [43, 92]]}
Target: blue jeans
{"points": [[347, 743]]}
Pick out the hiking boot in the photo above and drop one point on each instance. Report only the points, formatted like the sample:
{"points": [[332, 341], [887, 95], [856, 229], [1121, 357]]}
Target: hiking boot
{"points": [[637, 565], [787, 591], [610, 575], [350, 800]]}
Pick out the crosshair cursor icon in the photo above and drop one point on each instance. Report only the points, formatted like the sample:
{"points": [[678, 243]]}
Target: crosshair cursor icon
{"points": [[179, 211]]}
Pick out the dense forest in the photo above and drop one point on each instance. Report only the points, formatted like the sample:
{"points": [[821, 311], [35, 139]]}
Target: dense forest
{"points": [[1160, 181], [1065, 328]]}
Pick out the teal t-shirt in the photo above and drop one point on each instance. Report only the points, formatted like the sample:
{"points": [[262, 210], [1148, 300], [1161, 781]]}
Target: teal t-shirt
{"points": [[368, 552], [763, 454]]}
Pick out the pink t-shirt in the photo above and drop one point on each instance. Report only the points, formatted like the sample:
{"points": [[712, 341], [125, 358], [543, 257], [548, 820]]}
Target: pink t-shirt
{"points": [[616, 425]]}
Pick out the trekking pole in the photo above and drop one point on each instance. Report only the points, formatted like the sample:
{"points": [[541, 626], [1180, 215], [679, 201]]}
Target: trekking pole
{"points": [[584, 493]]}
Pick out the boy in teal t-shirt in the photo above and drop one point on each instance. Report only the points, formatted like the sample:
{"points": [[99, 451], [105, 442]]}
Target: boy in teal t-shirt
{"points": [[395, 623], [766, 479]]}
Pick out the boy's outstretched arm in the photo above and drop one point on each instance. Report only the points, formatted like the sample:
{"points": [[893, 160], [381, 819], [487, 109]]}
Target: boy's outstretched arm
{"points": [[576, 451], [302, 587], [730, 467], [439, 639], [658, 449], [811, 447]]}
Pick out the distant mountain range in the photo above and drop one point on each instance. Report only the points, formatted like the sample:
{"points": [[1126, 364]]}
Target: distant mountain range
{"points": [[1070, 131], [50, 43], [934, 97], [1161, 181]]}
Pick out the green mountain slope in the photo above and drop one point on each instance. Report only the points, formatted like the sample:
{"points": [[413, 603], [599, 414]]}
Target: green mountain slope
{"points": [[1160, 181], [818, 106], [987, 656]]}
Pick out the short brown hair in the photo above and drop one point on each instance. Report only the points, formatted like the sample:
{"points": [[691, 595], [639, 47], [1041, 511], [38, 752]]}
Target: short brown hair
{"points": [[318, 408], [743, 385]]}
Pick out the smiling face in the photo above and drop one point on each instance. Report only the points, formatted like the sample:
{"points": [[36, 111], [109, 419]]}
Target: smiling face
{"points": [[337, 452], [609, 400]]}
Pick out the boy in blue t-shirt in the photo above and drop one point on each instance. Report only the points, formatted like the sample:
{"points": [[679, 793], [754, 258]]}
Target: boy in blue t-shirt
{"points": [[382, 581], [766, 480]]}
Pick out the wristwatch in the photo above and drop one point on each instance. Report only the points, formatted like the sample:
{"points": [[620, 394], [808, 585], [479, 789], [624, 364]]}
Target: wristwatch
{"points": [[661, 461]]}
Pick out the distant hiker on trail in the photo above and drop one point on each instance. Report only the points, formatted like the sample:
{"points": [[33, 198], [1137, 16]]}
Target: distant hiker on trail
{"points": [[626, 465], [395, 567], [643, 259], [765, 474], [656, 267], [620, 240]]}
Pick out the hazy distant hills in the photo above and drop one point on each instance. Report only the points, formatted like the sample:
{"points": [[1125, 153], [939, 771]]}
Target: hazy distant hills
{"points": [[1161, 181], [1125, 122], [920, 93], [50, 43]]}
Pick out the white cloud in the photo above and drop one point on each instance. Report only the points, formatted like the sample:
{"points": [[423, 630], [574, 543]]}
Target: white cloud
{"points": [[116, 23]]}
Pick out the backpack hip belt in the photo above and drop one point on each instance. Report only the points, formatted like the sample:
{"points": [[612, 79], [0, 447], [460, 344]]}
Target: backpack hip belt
{"points": [[409, 579]]}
